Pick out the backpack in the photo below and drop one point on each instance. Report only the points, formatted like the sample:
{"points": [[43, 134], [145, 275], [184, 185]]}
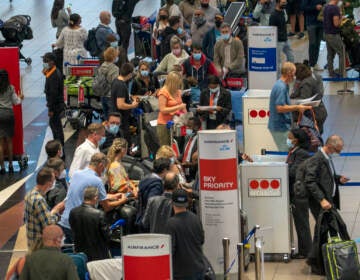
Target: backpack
{"points": [[100, 85], [90, 43], [117, 6]]}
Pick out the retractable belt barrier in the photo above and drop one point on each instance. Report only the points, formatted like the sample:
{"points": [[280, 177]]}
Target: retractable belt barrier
{"points": [[354, 154]]}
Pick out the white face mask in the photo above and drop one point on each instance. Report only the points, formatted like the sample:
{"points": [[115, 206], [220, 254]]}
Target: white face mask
{"points": [[62, 243]]}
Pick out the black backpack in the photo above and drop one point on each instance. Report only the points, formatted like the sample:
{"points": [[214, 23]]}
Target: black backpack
{"points": [[90, 43], [117, 6]]}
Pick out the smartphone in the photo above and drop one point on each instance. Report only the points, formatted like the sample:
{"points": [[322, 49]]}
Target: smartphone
{"points": [[135, 149]]}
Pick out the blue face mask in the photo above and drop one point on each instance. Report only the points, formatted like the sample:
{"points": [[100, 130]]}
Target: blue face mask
{"points": [[189, 131], [225, 37], [180, 30], [102, 140], [197, 56], [114, 44], [46, 65], [144, 73], [289, 143], [113, 129]]}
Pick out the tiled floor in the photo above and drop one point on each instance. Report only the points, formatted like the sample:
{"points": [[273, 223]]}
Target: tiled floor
{"points": [[344, 119]]}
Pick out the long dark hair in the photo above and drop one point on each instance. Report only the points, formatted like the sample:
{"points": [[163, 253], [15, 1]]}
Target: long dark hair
{"points": [[57, 6], [4, 81], [302, 137]]}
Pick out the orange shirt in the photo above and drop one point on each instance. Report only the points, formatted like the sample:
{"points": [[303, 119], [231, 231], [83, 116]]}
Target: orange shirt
{"points": [[163, 118]]}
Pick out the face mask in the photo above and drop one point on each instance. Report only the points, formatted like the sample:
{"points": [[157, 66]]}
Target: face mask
{"points": [[214, 90], [218, 23], [62, 174], [144, 73], [199, 20], [62, 243], [163, 17], [204, 5], [180, 30], [102, 141], [196, 56], [189, 131], [283, 6], [176, 51], [225, 37], [289, 143], [113, 129], [335, 155], [172, 160], [114, 44], [46, 65]]}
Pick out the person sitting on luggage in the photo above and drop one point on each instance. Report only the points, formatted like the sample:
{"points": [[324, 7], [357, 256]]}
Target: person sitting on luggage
{"points": [[229, 54], [118, 179], [49, 260], [176, 56], [57, 192], [211, 37], [144, 83], [103, 30], [199, 27], [152, 184], [159, 208], [218, 97], [307, 85], [90, 230], [170, 103], [198, 66], [112, 130], [298, 142]]}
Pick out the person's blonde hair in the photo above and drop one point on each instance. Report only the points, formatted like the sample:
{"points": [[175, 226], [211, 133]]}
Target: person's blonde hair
{"points": [[174, 41], [287, 67], [118, 145], [138, 75], [173, 82], [165, 151], [110, 54]]}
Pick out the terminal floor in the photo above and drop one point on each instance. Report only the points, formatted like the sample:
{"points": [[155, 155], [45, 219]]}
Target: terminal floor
{"points": [[344, 119]]}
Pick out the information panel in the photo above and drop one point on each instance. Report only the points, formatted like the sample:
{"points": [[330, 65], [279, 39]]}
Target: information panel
{"points": [[219, 197]]}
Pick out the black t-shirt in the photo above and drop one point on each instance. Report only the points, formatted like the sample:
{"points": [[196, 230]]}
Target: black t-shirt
{"points": [[277, 18], [119, 89]]}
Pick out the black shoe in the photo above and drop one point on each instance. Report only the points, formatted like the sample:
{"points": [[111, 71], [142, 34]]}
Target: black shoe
{"points": [[11, 169], [2, 171]]}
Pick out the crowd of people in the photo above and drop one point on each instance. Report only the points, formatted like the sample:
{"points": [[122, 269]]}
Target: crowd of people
{"points": [[195, 48]]}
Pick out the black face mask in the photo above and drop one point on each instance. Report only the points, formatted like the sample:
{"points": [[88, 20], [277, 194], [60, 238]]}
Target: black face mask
{"points": [[163, 17], [204, 5], [283, 6], [218, 23]]}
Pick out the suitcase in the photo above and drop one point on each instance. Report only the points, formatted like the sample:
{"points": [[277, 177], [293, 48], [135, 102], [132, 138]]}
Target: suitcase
{"points": [[341, 259], [244, 233]]}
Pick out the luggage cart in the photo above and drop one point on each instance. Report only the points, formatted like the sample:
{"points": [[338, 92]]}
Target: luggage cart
{"points": [[81, 104]]}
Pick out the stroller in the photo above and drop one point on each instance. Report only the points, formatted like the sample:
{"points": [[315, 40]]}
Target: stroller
{"points": [[15, 30]]}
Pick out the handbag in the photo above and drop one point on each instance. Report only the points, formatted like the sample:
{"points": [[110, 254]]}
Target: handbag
{"points": [[309, 125]]}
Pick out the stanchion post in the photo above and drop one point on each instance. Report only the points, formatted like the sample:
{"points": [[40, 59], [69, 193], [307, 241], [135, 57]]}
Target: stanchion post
{"points": [[241, 261], [345, 90], [257, 260], [226, 246]]}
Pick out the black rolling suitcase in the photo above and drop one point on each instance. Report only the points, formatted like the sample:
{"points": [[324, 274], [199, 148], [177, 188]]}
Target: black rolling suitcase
{"points": [[341, 261]]}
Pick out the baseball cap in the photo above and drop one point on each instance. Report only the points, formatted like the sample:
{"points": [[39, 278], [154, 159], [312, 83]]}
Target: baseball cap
{"points": [[180, 198]]}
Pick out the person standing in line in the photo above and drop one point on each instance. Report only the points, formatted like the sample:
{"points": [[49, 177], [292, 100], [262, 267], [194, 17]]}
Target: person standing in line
{"points": [[334, 44], [188, 258], [278, 18], [59, 16], [8, 98], [280, 109], [54, 91]]}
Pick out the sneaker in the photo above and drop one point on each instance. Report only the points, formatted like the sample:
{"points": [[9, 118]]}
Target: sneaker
{"points": [[317, 67], [291, 34], [301, 35]]}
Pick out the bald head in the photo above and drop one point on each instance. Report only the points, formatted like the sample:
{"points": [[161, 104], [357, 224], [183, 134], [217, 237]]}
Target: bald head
{"points": [[334, 144], [105, 17], [52, 236]]}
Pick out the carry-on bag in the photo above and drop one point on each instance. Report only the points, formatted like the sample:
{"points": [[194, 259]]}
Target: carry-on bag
{"points": [[341, 259]]}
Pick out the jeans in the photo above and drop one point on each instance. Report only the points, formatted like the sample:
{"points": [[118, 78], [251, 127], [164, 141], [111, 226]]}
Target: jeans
{"points": [[106, 106], [280, 140], [286, 49], [315, 36], [334, 45]]}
